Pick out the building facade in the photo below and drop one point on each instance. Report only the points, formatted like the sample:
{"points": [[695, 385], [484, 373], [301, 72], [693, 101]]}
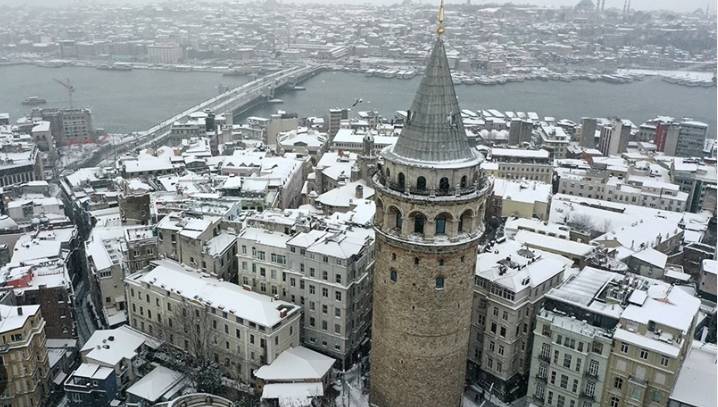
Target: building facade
{"points": [[24, 357], [239, 330]]}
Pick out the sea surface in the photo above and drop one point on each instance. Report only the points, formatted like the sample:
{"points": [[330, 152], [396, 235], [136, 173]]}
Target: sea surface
{"points": [[135, 100]]}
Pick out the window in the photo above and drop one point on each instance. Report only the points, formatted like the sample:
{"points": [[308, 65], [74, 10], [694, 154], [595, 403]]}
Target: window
{"points": [[419, 222], [338, 278], [440, 284], [624, 347], [440, 225], [590, 388], [401, 181], [618, 383], [564, 382], [325, 292], [505, 316], [493, 327], [501, 349], [553, 377], [392, 275], [567, 361], [421, 184], [644, 354], [503, 332], [338, 295], [560, 401], [664, 361], [593, 368], [444, 185], [574, 387]]}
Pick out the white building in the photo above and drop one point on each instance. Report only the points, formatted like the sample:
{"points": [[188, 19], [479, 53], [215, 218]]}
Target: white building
{"points": [[240, 330], [327, 272]]}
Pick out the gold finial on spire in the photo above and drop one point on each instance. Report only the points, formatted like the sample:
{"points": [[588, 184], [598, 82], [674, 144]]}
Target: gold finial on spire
{"points": [[440, 17]]}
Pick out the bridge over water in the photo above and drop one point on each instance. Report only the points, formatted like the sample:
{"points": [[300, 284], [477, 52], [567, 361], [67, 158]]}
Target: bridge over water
{"points": [[225, 103]]}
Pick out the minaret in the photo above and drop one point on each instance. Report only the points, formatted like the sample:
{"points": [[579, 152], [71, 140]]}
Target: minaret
{"points": [[430, 199]]}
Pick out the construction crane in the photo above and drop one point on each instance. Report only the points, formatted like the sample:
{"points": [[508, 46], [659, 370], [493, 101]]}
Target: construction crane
{"points": [[70, 89]]}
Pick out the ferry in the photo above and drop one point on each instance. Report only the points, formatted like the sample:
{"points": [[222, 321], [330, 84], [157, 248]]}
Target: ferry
{"points": [[298, 88], [276, 101], [33, 101]]}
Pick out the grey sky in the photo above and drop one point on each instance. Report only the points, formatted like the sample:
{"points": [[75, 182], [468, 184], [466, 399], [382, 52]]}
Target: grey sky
{"points": [[677, 5]]}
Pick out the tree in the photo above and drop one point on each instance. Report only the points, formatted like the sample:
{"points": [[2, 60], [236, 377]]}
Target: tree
{"points": [[190, 330]]}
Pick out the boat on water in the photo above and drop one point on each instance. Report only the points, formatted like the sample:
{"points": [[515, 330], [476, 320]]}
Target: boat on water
{"points": [[298, 88], [33, 101], [275, 101], [50, 64]]}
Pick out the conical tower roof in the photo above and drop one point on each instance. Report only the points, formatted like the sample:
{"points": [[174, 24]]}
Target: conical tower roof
{"points": [[434, 131]]}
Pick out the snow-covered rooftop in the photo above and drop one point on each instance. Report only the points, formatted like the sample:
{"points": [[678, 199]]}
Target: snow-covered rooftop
{"points": [[196, 286], [296, 364]]}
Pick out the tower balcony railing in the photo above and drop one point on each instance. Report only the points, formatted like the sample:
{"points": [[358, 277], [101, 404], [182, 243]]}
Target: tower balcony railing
{"points": [[477, 187]]}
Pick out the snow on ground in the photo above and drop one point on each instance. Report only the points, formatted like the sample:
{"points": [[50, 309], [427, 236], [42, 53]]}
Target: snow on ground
{"points": [[686, 75]]}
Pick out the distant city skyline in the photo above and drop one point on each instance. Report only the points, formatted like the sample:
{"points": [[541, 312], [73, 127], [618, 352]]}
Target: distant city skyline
{"points": [[683, 6]]}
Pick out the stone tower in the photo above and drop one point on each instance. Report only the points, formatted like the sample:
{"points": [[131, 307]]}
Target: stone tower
{"points": [[430, 200]]}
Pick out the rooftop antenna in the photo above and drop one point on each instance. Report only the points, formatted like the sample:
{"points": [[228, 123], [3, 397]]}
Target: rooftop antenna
{"points": [[70, 89], [440, 18]]}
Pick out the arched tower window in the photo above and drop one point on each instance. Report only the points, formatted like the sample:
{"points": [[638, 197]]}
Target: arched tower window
{"points": [[439, 283], [465, 221], [421, 184], [419, 223], [444, 185], [463, 181], [441, 224], [401, 181], [395, 220], [388, 173]]}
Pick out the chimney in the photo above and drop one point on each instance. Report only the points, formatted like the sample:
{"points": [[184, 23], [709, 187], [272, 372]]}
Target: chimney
{"points": [[359, 192]]}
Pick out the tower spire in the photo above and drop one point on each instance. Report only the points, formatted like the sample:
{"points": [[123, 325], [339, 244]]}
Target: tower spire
{"points": [[440, 18]]}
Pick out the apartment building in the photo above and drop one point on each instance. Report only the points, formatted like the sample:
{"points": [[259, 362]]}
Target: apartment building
{"points": [[24, 356], [614, 137], [650, 344], [573, 339], [141, 247], [553, 139], [519, 164], [240, 330], [634, 189], [510, 284], [328, 272], [181, 237]]}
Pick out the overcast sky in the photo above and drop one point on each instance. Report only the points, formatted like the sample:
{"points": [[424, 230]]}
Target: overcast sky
{"points": [[678, 5]]}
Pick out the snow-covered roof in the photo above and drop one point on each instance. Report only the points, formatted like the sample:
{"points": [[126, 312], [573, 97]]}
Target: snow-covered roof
{"points": [[709, 266], [339, 244], [265, 237], [218, 244], [156, 383], [697, 377], [582, 289], [551, 243], [196, 286], [515, 267], [110, 346], [345, 195], [93, 371], [652, 257], [665, 305], [519, 153], [522, 191], [295, 364], [11, 319]]}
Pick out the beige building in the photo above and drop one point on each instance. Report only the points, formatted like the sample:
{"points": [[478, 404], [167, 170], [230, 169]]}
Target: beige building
{"points": [[518, 164], [520, 199], [328, 272], [509, 286], [650, 344], [24, 356], [237, 328]]}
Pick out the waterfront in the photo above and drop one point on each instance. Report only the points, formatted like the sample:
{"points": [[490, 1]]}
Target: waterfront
{"points": [[127, 101], [120, 101]]}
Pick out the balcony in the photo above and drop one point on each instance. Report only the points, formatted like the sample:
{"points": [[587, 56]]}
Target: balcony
{"points": [[541, 377], [586, 396], [590, 375], [544, 358]]}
